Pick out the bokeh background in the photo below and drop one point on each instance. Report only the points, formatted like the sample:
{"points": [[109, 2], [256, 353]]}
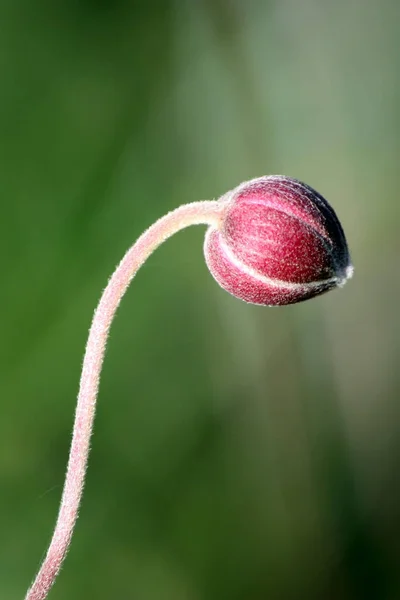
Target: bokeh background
{"points": [[240, 453]]}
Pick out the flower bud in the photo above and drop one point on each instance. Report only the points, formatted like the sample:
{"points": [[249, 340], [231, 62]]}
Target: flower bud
{"points": [[278, 242]]}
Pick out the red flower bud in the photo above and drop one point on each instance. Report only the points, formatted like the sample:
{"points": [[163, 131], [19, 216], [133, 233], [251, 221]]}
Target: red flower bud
{"points": [[279, 242]]}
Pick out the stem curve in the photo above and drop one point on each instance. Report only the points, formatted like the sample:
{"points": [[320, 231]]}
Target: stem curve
{"points": [[196, 213]]}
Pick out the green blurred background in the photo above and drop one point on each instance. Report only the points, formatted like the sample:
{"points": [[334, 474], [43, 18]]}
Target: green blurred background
{"points": [[240, 453]]}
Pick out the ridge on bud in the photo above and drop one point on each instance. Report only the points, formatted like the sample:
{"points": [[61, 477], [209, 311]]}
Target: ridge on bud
{"points": [[278, 242]]}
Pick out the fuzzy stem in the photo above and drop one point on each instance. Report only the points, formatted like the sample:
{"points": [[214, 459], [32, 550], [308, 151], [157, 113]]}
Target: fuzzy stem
{"points": [[206, 212]]}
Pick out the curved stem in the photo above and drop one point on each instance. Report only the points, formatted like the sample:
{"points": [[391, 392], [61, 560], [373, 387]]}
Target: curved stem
{"points": [[207, 212]]}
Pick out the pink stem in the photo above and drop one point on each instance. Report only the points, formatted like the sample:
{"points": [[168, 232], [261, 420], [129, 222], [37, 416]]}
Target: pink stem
{"points": [[206, 212]]}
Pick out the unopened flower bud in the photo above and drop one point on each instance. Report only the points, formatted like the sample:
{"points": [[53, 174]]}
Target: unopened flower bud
{"points": [[279, 242]]}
